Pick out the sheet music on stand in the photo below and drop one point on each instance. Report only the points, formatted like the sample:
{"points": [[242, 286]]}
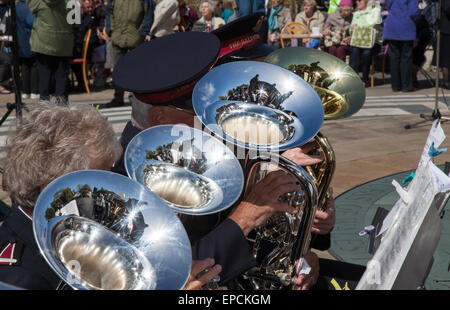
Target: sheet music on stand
{"points": [[411, 231]]}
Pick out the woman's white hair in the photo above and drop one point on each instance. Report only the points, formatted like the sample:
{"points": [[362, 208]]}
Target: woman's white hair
{"points": [[51, 141], [313, 3], [211, 4]]}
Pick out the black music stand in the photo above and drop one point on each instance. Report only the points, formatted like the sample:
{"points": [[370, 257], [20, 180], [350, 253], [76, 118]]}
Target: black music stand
{"points": [[17, 105], [436, 114]]}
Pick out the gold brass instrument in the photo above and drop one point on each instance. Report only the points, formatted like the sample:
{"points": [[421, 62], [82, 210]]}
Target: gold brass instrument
{"points": [[322, 173], [259, 110], [341, 92]]}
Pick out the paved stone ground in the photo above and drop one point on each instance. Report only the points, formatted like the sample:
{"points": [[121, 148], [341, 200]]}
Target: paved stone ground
{"points": [[371, 144]]}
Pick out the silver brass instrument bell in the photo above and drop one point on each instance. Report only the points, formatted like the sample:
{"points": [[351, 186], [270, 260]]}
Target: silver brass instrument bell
{"points": [[263, 109], [101, 230], [192, 171], [270, 107]]}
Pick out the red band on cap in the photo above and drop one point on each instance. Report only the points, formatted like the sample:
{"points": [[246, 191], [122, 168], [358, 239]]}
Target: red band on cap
{"points": [[235, 44], [166, 96]]}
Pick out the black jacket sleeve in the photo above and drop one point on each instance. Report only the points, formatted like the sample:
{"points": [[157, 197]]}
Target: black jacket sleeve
{"points": [[229, 248], [320, 242]]}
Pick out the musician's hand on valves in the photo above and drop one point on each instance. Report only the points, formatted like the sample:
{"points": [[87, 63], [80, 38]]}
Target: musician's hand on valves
{"points": [[300, 155], [262, 201], [306, 281], [324, 220], [203, 274]]}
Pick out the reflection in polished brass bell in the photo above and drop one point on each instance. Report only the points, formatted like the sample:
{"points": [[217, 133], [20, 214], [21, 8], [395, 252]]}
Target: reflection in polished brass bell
{"points": [[178, 186], [333, 103], [275, 104], [195, 173], [90, 245], [239, 99], [100, 258], [337, 84], [254, 124]]}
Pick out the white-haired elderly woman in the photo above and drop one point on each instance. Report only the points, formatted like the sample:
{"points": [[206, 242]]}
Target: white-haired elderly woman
{"points": [[312, 18], [208, 22], [52, 141], [337, 30]]}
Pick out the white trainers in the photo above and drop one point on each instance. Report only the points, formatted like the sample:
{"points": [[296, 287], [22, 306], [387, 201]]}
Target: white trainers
{"points": [[35, 96], [25, 96]]}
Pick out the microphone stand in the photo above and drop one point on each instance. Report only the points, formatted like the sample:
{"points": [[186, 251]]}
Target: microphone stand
{"points": [[436, 114], [17, 105]]}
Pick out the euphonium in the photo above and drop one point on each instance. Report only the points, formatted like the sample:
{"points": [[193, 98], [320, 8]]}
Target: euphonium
{"points": [[341, 92], [193, 172], [101, 230], [260, 110]]}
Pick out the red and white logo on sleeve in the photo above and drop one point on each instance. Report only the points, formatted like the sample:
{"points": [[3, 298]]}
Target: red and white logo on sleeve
{"points": [[10, 253]]}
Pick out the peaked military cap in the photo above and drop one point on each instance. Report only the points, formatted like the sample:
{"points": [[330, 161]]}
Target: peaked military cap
{"points": [[166, 69], [241, 39]]}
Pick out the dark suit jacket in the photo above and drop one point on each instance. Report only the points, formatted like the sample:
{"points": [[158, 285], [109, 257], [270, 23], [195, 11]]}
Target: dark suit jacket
{"points": [[31, 271]]}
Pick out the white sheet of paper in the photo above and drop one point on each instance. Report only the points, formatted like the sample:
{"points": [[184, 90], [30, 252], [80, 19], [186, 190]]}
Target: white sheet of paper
{"points": [[70, 209]]}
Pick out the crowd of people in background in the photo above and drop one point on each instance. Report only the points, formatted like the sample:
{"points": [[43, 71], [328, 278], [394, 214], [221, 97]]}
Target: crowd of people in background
{"points": [[352, 30]]}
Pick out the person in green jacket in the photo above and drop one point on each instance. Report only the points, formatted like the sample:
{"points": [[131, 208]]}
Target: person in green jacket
{"points": [[52, 40], [366, 37], [128, 24], [334, 5]]}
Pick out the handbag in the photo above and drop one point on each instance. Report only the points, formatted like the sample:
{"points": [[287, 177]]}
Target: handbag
{"points": [[335, 38], [363, 37]]}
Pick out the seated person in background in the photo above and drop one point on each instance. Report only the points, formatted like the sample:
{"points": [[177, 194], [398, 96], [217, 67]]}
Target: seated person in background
{"points": [[89, 20], [234, 16], [279, 17], [52, 141], [208, 22], [188, 16], [336, 30], [313, 19], [247, 7], [366, 38], [221, 11], [98, 55]]}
